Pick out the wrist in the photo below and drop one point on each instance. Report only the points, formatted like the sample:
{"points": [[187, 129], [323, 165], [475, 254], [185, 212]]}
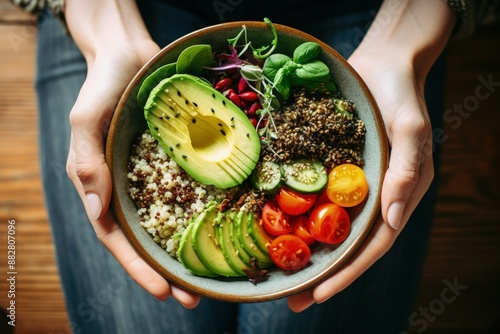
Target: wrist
{"points": [[100, 26], [409, 34]]}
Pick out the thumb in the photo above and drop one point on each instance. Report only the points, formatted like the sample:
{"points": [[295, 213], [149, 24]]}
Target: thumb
{"points": [[86, 164], [410, 165]]}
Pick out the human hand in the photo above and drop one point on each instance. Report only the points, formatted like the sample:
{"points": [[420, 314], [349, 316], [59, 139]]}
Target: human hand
{"points": [[394, 70], [112, 59]]}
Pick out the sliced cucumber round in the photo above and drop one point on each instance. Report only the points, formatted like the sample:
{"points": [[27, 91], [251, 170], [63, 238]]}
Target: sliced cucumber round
{"points": [[268, 177], [305, 176]]}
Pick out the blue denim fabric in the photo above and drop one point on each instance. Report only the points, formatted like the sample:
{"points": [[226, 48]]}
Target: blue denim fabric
{"points": [[101, 298]]}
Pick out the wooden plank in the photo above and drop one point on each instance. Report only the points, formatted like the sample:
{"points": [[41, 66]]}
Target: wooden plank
{"points": [[39, 302]]}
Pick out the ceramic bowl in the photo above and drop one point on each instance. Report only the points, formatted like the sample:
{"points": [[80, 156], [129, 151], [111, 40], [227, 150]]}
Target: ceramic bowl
{"points": [[128, 123]]}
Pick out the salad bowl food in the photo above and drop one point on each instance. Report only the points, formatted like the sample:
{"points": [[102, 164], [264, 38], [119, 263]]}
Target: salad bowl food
{"points": [[192, 148]]}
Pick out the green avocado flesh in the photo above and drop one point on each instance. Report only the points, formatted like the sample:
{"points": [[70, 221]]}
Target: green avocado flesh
{"points": [[187, 256], [207, 247], [202, 131], [219, 244]]}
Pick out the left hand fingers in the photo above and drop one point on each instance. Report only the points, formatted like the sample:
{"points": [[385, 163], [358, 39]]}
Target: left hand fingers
{"points": [[380, 239]]}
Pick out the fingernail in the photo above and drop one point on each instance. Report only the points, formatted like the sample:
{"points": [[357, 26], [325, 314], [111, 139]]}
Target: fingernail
{"points": [[395, 213], [95, 205]]}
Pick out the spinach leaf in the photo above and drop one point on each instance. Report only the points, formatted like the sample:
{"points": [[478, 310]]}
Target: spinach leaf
{"points": [[194, 58], [305, 52], [152, 80]]}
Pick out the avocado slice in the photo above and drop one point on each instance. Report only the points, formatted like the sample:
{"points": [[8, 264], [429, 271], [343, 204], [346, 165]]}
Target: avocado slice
{"points": [[234, 235], [243, 218], [231, 253], [203, 131], [206, 245], [259, 235], [187, 256]]}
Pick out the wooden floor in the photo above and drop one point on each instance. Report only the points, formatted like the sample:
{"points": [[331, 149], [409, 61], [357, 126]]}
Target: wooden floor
{"points": [[465, 243]]}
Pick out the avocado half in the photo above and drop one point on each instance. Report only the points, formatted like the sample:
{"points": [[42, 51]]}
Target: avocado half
{"points": [[202, 131]]}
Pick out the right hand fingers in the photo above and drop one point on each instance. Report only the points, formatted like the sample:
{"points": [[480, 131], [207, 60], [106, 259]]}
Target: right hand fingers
{"points": [[89, 172], [113, 238]]}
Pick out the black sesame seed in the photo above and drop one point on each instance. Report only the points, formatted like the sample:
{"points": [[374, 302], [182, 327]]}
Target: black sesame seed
{"points": [[223, 102], [184, 156], [171, 149], [195, 104], [178, 93], [156, 128], [176, 114], [168, 117], [193, 120], [232, 118], [213, 111], [178, 144], [248, 135], [220, 124], [187, 102], [213, 95], [223, 133]]}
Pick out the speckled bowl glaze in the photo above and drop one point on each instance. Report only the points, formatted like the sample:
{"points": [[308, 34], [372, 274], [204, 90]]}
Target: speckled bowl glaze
{"points": [[128, 123]]}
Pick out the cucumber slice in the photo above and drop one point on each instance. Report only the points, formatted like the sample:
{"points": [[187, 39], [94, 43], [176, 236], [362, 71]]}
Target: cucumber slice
{"points": [[305, 176], [268, 177]]}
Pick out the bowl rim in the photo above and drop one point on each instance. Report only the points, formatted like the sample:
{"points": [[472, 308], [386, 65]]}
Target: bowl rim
{"points": [[139, 248]]}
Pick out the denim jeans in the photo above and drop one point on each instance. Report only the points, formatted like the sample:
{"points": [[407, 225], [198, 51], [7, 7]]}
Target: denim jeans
{"points": [[101, 298]]}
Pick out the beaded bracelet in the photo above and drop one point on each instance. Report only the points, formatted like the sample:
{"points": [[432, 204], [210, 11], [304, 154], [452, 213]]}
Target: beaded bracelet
{"points": [[464, 10]]}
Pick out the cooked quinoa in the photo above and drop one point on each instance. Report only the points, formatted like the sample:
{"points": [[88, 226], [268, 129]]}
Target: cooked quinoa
{"points": [[311, 127], [167, 197]]}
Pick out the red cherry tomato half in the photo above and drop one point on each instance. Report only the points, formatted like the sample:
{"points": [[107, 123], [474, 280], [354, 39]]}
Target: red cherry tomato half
{"points": [[329, 223], [301, 229], [276, 222], [294, 203], [289, 252]]}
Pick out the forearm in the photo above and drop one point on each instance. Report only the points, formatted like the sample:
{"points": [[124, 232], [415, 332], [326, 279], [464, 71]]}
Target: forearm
{"points": [[99, 25], [416, 31]]}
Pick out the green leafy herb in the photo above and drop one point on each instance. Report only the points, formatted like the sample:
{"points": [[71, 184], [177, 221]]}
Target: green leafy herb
{"points": [[193, 59], [303, 69], [258, 53], [154, 79], [306, 52]]}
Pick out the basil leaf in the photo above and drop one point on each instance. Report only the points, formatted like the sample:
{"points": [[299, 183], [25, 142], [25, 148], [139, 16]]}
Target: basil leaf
{"points": [[282, 83], [153, 80], [194, 58], [306, 52], [315, 70], [273, 63]]}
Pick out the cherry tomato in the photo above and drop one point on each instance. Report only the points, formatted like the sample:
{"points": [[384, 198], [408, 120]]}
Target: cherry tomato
{"points": [[294, 203], [322, 198], [289, 252], [347, 185], [301, 229], [329, 223], [276, 222]]}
